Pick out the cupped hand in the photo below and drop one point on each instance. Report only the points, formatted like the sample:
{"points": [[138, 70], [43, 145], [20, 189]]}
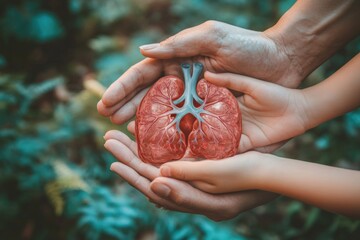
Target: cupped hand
{"points": [[271, 114], [237, 173], [173, 194], [218, 46]]}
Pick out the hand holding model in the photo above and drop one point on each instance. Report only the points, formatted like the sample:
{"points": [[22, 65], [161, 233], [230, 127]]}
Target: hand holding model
{"points": [[306, 36]]}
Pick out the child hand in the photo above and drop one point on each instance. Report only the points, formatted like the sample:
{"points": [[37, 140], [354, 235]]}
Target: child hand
{"points": [[331, 188], [270, 113], [231, 174]]}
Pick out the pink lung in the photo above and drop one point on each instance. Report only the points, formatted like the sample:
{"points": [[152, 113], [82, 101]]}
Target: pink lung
{"points": [[197, 119]]}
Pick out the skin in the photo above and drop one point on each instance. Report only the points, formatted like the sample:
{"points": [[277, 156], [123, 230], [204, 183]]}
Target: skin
{"points": [[265, 107], [333, 189], [330, 188], [304, 37], [174, 194]]}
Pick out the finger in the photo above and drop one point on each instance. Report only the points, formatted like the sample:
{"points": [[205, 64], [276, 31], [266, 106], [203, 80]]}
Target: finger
{"points": [[187, 170], [217, 207], [131, 127], [143, 185], [128, 110], [108, 111], [206, 187], [237, 82], [123, 138], [271, 148], [141, 74], [187, 43], [127, 157]]}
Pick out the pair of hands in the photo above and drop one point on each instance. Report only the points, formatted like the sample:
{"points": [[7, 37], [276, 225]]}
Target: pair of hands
{"points": [[265, 108], [176, 194]]}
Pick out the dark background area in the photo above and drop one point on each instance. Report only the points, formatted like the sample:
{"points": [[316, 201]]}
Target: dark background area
{"points": [[56, 59]]}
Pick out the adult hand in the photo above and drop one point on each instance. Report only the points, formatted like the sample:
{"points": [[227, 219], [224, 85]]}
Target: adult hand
{"points": [[286, 53], [218, 46], [173, 194]]}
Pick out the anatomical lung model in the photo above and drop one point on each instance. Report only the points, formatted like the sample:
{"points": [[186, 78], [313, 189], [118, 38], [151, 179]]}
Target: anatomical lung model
{"points": [[197, 119]]}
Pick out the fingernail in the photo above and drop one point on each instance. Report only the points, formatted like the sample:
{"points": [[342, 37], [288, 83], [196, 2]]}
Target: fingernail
{"points": [[161, 189], [149, 46], [165, 171], [112, 167], [116, 167]]}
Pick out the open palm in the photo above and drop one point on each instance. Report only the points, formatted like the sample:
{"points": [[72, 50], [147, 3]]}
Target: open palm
{"points": [[270, 113]]}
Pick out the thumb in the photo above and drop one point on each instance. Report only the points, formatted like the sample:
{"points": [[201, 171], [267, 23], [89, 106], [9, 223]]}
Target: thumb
{"points": [[237, 82], [131, 127], [186, 170], [198, 40]]}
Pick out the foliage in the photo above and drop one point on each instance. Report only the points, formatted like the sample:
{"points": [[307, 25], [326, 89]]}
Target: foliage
{"points": [[54, 172]]}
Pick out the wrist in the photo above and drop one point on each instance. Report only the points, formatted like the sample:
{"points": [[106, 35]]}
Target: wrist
{"points": [[299, 46], [333, 96], [260, 170], [270, 173], [310, 33], [303, 110], [291, 56]]}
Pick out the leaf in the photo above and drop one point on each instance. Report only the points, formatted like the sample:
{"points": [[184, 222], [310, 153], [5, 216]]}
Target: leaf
{"points": [[44, 27], [36, 90], [86, 220], [113, 232], [28, 22], [311, 218]]}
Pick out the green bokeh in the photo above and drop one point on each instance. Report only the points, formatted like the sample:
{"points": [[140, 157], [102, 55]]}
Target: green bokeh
{"points": [[54, 172]]}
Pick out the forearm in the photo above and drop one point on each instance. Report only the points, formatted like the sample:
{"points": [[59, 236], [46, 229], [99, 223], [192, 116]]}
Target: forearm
{"points": [[335, 96], [333, 189], [312, 31]]}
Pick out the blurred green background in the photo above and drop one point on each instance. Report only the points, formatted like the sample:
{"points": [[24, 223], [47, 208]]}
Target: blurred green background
{"points": [[56, 58]]}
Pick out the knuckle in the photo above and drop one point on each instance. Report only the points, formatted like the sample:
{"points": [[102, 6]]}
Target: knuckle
{"points": [[115, 119], [138, 74], [215, 29], [227, 82], [211, 25], [132, 160], [137, 182], [216, 35]]}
